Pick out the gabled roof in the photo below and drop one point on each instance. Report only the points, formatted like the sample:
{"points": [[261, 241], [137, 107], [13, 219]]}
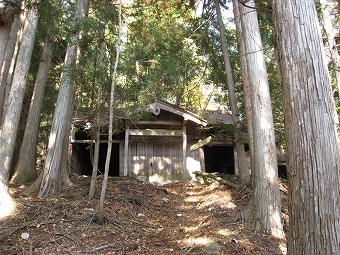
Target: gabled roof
{"points": [[216, 118], [157, 106]]}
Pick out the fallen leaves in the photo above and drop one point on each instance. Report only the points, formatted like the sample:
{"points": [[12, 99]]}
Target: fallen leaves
{"points": [[140, 218]]}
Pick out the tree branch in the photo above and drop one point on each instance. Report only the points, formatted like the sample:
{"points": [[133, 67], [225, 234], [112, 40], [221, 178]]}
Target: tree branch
{"points": [[254, 8]]}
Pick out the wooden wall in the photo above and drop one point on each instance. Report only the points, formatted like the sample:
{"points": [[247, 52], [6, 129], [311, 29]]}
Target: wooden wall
{"points": [[159, 162], [76, 164]]}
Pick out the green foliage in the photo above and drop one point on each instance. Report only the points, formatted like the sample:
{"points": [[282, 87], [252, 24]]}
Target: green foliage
{"points": [[160, 59], [168, 53]]}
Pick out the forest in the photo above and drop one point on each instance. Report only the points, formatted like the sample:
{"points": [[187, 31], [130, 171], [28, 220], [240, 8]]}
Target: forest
{"points": [[100, 97]]}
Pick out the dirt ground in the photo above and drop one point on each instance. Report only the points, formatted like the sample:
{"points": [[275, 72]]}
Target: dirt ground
{"points": [[141, 218]]}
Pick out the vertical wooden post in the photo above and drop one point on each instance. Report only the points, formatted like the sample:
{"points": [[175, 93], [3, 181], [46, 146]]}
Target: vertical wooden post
{"points": [[126, 151], [185, 143], [73, 134], [236, 159], [202, 159]]}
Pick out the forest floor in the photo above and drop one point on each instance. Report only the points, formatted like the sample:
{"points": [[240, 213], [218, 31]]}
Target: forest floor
{"points": [[141, 218]]}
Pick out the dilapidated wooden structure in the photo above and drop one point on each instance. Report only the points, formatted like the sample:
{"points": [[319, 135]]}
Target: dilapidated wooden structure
{"points": [[168, 147]]}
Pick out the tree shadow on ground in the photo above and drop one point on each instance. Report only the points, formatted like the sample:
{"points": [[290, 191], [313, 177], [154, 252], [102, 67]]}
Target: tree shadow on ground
{"points": [[141, 218]]}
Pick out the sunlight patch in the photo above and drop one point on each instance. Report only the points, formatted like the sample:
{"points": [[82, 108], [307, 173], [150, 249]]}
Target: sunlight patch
{"points": [[7, 204], [193, 199], [158, 179], [223, 200], [283, 248], [231, 205], [198, 241], [224, 232], [193, 165]]}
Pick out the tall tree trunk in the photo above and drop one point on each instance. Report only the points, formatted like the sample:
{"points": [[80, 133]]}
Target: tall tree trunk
{"points": [[97, 144], [25, 170], [312, 142], [264, 210], [331, 31], [241, 156], [52, 176], [245, 80], [11, 120], [4, 38], [8, 59], [65, 158], [6, 18], [109, 146]]}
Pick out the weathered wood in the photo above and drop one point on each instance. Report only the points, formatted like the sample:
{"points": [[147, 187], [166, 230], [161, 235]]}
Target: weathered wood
{"points": [[84, 141], [185, 145], [236, 168], [155, 132], [73, 136], [94, 141], [126, 151], [185, 114], [216, 178], [158, 122], [200, 143], [202, 159]]}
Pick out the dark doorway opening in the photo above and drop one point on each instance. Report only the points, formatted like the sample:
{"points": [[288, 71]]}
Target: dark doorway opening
{"points": [[219, 159], [84, 157], [282, 170]]}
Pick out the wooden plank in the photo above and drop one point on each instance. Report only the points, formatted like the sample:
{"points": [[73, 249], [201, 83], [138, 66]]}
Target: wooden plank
{"points": [[83, 141], [202, 159], [149, 152], [73, 134], [236, 168], [216, 178], [185, 143], [93, 141], [158, 122], [121, 159], [200, 143], [126, 152], [155, 132], [185, 114]]}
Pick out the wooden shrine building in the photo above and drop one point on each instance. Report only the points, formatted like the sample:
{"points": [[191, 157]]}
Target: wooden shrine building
{"points": [[168, 147]]}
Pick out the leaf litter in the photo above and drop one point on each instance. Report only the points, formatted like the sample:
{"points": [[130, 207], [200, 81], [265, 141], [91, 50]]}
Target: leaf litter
{"points": [[140, 218]]}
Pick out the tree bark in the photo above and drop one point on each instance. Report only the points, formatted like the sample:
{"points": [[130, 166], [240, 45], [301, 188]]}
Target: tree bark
{"points": [[6, 19], [4, 38], [245, 81], [8, 59], [264, 210], [244, 174], [11, 120], [52, 174], [109, 146], [25, 170], [331, 31], [310, 128]]}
